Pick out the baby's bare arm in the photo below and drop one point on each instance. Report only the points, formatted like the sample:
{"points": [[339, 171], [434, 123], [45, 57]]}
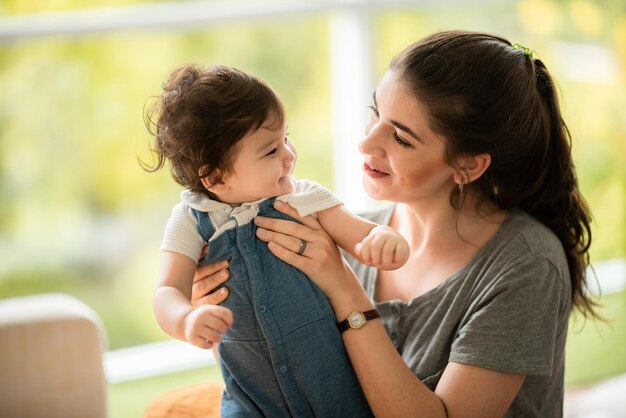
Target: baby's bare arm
{"points": [[375, 245], [345, 228], [200, 326]]}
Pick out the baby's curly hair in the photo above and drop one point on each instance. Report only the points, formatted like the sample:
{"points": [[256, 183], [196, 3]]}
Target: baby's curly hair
{"points": [[200, 117]]}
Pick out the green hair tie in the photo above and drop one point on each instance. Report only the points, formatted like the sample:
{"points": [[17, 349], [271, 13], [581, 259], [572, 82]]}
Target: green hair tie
{"points": [[527, 51]]}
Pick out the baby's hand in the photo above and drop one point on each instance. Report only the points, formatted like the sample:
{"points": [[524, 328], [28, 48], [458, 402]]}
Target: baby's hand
{"points": [[204, 325], [383, 248]]}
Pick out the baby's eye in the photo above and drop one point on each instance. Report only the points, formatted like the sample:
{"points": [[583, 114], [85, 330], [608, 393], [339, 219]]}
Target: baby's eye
{"points": [[374, 110], [272, 152]]}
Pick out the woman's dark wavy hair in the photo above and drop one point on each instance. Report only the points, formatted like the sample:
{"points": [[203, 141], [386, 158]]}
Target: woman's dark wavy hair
{"points": [[485, 96], [200, 117]]}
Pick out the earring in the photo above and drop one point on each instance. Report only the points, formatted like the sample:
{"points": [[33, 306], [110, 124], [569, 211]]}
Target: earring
{"points": [[461, 189]]}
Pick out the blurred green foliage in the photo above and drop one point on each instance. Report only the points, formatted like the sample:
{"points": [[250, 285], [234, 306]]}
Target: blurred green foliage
{"points": [[79, 215], [596, 350]]}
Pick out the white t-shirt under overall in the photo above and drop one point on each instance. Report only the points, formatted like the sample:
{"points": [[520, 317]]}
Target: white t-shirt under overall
{"points": [[181, 233]]}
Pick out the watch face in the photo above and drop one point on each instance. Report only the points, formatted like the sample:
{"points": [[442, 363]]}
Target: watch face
{"points": [[356, 320]]}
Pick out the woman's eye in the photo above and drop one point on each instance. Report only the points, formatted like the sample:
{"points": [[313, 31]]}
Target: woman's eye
{"points": [[272, 152], [401, 141], [374, 110]]}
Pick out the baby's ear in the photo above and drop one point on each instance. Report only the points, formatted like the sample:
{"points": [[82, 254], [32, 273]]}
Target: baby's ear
{"points": [[212, 182]]}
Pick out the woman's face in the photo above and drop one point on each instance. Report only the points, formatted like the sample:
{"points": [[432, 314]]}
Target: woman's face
{"points": [[404, 158]]}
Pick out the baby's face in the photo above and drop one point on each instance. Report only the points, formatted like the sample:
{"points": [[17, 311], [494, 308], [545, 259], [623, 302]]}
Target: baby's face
{"points": [[263, 166]]}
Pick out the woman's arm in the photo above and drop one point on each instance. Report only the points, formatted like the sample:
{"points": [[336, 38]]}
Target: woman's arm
{"points": [[390, 386]]}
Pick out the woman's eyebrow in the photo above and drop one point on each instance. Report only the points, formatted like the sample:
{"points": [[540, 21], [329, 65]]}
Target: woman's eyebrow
{"points": [[397, 124], [405, 128]]}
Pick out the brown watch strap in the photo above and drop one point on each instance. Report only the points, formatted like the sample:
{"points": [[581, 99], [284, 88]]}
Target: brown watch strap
{"points": [[368, 315]]}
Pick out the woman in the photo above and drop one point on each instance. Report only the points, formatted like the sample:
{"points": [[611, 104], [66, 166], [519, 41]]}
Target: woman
{"points": [[467, 138]]}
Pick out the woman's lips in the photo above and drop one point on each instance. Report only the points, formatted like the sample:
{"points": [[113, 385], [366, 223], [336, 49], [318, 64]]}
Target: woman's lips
{"points": [[372, 172]]}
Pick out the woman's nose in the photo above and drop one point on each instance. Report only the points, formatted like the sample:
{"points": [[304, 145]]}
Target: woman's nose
{"points": [[370, 144]]}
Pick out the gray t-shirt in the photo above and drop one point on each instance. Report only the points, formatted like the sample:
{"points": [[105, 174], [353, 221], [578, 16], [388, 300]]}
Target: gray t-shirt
{"points": [[506, 310]]}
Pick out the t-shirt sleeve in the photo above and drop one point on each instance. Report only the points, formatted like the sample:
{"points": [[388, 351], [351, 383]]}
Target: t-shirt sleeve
{"points": [[181, 233], [310, 197], [513, 324]]}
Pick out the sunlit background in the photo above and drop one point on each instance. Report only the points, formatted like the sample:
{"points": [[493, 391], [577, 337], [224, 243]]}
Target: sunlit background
{"points": [[78, 215]]}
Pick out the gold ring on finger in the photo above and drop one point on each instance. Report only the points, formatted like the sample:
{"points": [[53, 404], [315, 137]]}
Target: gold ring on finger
{"points": [[302, 248]]}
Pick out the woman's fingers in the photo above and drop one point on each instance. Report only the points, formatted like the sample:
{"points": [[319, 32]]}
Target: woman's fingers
{"points": [[319, 257], [287, 233], [288, 256], [206, 280], [207, 270], [214, 298], [287, 242], [288, 210], [205, 251]]}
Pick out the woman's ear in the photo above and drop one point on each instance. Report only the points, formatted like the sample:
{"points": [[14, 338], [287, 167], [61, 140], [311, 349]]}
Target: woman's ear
{"points": [[471, 167]]}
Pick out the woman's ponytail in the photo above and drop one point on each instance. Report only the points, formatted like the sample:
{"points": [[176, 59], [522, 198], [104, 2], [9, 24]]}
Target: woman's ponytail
{"points": [[563, 209]]}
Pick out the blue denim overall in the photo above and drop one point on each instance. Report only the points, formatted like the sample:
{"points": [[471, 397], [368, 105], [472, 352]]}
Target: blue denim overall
{"points": [[284, 355]]}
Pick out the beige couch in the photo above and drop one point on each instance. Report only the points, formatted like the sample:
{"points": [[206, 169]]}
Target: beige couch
{"points": [[51, 351]]}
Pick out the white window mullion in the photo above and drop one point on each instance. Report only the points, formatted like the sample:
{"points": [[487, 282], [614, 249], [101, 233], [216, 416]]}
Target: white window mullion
{"points": [[351, 86]]}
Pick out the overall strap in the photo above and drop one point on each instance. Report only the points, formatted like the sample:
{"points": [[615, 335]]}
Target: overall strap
{"points": [[205, 226]]}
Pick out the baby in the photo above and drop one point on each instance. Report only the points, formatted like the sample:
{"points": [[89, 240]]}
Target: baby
{"points": [[224, 134]]}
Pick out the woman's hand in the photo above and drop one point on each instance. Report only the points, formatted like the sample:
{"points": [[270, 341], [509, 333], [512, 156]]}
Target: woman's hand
{"points": [[307, 247], [206, 280]]}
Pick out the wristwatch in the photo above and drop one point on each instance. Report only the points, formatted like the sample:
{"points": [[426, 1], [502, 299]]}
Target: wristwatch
{"points": [[357, 319]]}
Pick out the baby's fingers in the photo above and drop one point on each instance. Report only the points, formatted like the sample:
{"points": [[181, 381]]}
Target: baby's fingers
{"points": [[363, 251], [206, 339], [387, 253], [375, 249], [222, 314], [401, 253]]}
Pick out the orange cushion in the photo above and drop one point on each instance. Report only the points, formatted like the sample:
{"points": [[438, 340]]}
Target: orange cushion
{"points": [[196, 401]]}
